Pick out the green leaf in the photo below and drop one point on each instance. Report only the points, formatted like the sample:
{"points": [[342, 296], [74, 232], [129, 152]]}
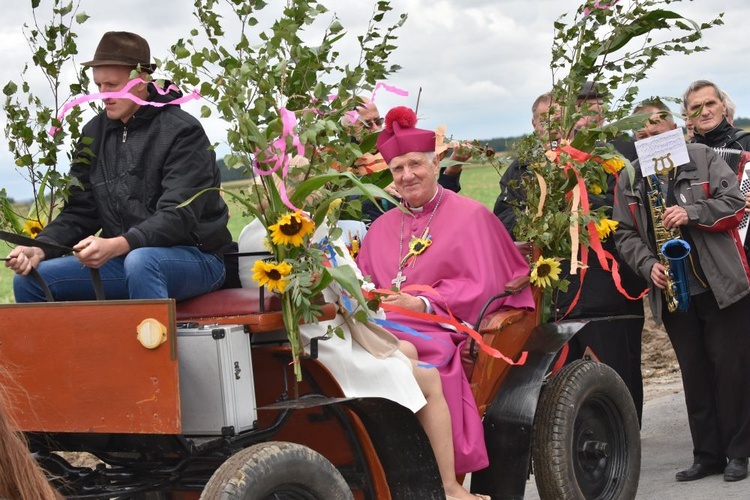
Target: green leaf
{"points": [[347, 279], [639, 27], [10, 89], [369, 142]]}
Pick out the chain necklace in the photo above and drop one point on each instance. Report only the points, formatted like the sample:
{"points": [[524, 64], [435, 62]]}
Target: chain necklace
{"points": [[416, 246]]}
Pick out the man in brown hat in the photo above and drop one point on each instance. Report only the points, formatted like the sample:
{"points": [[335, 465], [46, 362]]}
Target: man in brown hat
{"points": [[135, 165]]}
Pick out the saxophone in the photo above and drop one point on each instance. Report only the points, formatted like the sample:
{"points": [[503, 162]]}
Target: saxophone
{"points": [[673, 251]]}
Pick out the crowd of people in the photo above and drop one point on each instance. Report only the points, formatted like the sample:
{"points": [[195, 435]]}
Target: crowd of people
{"points": [[124, 220]]}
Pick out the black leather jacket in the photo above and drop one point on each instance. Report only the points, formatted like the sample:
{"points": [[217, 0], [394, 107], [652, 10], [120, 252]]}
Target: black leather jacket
{"points": [[724, 136], [134, 175]]}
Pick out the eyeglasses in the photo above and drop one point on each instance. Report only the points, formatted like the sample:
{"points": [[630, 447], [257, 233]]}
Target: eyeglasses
{"points": [[374, 122]]}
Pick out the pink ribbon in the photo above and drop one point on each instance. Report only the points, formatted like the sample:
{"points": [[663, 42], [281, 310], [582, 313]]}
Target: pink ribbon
{"points": [[389, 88], [600, 4], [277, 156], [353, 114], [124, 93]]}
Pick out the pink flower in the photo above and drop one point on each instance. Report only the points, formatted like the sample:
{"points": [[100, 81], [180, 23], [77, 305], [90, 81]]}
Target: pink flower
{"points": [[599, 4]]}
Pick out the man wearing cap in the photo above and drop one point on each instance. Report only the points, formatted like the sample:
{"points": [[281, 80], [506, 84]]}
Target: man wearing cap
{"points": [[135, 164], [458, 254]]}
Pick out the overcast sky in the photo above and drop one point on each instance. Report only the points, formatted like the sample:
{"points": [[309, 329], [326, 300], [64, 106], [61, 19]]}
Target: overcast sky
{"points": [[480, 63]]}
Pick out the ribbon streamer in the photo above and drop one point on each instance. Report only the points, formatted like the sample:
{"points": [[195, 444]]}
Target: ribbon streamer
{"points": [[580, 195], [278, 156], [124, 93], [353, 115], [451, 320], [574, 228], [347, 303], [542, 194]]}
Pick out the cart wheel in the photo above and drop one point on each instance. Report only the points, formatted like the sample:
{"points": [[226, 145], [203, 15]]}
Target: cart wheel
{"points": [[586, 438], [277, 470]]}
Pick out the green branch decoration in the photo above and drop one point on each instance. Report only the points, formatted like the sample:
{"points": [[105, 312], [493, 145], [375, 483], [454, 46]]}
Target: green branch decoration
{"points": [[283, 99], [612, 44], [36, 152]]}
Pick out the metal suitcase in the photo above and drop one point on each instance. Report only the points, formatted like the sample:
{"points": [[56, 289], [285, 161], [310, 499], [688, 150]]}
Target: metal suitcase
{"points": [[217, 394]]}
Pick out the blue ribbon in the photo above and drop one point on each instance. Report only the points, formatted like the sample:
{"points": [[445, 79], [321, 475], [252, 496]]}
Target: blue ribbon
{"points": [[331, 254]]}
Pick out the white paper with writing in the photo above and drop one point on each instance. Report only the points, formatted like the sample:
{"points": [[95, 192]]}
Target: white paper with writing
{"points": [[662, 151]]}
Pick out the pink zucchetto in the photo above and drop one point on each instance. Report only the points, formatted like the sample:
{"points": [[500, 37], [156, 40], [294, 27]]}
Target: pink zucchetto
{"points": [[400, 136]]}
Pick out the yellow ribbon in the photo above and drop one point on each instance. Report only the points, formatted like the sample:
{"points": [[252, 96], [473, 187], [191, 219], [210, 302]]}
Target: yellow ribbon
{"points": [[576, 201], [542, 194]]}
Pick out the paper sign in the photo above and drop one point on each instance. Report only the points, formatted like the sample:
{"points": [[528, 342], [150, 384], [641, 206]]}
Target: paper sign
{"points": [[661, 153]]}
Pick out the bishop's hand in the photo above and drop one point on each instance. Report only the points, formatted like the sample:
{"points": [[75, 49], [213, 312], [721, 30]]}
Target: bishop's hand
{"points": [[406, 301]]}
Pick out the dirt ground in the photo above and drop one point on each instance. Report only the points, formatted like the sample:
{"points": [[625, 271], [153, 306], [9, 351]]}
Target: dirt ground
{"points": [[661, 374]]}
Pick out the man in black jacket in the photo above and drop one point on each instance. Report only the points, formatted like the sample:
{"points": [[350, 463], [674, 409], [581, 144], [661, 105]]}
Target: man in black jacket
{"points": [[136, 163], [710, 110], [706, 106], [616, 343]]}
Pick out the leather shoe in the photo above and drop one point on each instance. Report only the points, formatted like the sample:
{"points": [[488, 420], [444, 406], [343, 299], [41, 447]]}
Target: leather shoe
{"points": [[699, 471], [736, 469]]}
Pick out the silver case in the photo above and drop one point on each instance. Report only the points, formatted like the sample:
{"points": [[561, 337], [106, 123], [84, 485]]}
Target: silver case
{"points": [[217, 393]]}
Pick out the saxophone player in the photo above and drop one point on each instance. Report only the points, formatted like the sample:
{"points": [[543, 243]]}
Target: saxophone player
{"points": [[704, 202]]}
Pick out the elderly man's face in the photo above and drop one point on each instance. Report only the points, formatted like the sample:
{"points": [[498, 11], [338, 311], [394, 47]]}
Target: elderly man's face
{"points": [[712, 112], [659, 122], [415, 177]]}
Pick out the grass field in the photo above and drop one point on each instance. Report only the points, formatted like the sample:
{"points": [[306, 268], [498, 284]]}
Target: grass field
{"points": [[480, 183]]}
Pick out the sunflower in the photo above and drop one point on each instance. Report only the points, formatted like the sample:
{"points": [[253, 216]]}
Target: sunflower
{"points": [[271, 274], [291, 229], [545, 271], [613, 165], [595, 189], [33, 227], [605, 227]]}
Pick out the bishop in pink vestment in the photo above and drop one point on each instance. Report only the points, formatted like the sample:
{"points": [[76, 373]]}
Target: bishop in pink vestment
{"points": [[468, 258]]}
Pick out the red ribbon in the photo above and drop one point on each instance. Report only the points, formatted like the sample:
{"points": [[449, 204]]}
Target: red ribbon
{"points": [[595, 242], [451, 320]]}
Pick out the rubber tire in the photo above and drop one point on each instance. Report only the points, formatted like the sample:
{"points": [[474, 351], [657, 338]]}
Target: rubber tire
{"points": [[277, 470], [586, 402]]}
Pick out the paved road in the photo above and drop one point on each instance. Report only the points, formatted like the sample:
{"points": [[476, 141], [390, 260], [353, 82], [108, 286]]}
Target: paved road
{"points": [[666, 449]]}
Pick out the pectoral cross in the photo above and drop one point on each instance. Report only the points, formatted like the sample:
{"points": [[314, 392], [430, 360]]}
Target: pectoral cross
{"points": [[400, 278]]}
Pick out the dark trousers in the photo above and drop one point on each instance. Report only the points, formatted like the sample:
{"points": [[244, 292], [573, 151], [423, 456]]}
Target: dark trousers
{"points": [[713, 349], [616, 343]]}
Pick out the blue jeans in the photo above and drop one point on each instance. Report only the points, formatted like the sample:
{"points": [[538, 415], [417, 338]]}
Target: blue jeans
{"points": [[145, 273]]}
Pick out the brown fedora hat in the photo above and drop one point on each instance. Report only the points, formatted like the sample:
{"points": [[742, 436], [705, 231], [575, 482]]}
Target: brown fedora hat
{"points": [[121, 48]]}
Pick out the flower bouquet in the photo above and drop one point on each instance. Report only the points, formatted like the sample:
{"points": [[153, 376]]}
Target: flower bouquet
{"points": [[604, 51], [285, 102]]}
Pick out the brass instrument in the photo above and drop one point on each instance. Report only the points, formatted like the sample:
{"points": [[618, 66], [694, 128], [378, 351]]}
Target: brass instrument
{"points": [[672, 251]]}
